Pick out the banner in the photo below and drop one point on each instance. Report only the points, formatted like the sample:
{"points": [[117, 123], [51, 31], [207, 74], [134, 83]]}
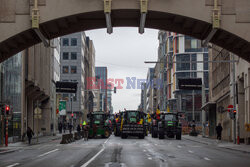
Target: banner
{"points": [[62, 107]]}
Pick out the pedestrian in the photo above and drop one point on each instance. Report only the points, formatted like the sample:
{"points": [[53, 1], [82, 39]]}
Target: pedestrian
{"points": [[64, 127], [60, 127], [30, 133], [70, 128], [85, 131], [218, 131]]}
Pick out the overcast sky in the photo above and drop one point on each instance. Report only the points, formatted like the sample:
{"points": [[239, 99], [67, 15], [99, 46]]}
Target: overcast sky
{"points": [[123, 53]]}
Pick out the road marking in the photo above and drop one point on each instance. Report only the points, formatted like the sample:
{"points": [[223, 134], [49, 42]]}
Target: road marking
{"points": [[156, 144], [106, 141], [207, 159], [144, 150], [15, 164], [149, 158], [190, 151], [94, 157], [48, 153], [179, 146]]}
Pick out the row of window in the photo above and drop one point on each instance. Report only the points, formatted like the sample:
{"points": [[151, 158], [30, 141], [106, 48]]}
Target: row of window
{"points": [[65, 69], [65, 55], [188, 62], [191, 45], [73, 42]]}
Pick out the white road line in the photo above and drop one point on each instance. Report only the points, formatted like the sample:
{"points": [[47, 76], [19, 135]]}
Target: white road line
{"points": [[15, 164], [48, 153], [179, 146], [94, 157], [207, 159], [149, 158], [190, 151], [144, 150]]}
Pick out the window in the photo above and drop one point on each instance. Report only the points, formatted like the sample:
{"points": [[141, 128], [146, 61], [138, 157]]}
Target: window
{"points": [[65, 69], [65, 42], [194, 64], [65, 56], [73, 55], [205, 58], [206, 82], [187, 43], [183, 62], [73, 42], [193, 43], [73, 69]]}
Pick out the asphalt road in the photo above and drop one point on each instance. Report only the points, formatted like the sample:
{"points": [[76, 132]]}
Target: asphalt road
{"points": [[131, 152]]}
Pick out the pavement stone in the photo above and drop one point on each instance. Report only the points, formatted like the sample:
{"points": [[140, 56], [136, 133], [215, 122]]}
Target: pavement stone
{"points": [[20, 145], [222, 144]]}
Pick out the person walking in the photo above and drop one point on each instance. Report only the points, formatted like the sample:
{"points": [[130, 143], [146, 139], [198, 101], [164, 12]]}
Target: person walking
{"points": [[70, 128], [85, 131], [78, 130], [30, 133], [218, 131], [60, 127], [64, 127]]}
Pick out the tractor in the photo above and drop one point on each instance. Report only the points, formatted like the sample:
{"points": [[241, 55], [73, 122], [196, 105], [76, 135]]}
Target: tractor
{"points": [[132, 124], [99, 125]]}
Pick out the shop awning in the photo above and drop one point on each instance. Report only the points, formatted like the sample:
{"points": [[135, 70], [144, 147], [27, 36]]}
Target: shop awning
{"points": [[208, 106]]}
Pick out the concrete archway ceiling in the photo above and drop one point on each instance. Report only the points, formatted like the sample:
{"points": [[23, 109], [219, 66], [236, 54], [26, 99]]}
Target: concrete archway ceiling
{"points": [[125, 18]]}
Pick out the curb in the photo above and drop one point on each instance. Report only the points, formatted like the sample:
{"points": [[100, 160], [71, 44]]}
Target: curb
{"points": [[8, 151], [196, 141], [228, 148], [13, 150], [242, 151]]}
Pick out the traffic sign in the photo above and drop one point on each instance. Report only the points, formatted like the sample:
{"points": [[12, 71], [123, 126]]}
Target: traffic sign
{"points": [[62, 107], [230, 107]]}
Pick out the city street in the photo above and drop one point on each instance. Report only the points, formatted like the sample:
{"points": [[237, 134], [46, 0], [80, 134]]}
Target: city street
{"points": [[131, 152]]}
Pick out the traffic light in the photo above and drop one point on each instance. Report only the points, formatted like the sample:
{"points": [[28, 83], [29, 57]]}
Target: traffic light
{"points": [[72, 115], [7, 109], [234, 114]]}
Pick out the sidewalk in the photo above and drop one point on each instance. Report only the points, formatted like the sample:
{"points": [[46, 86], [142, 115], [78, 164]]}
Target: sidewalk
{"points": [[20, 145], [222, 144]]}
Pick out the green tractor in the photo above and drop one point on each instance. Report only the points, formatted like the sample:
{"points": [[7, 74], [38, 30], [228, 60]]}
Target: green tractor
{"points": [[99, 125], [132, 124], [169, 125]]}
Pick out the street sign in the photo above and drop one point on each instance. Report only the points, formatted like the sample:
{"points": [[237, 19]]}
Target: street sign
{"points": [[62, 107], [190, 83], [66, 87], [230, 107]]}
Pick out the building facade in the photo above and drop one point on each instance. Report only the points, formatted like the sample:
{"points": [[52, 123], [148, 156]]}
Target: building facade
{"points": [[224, 92], [73, 52], [149, 91], [179, 57], [101, 77], [11, 94]]}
